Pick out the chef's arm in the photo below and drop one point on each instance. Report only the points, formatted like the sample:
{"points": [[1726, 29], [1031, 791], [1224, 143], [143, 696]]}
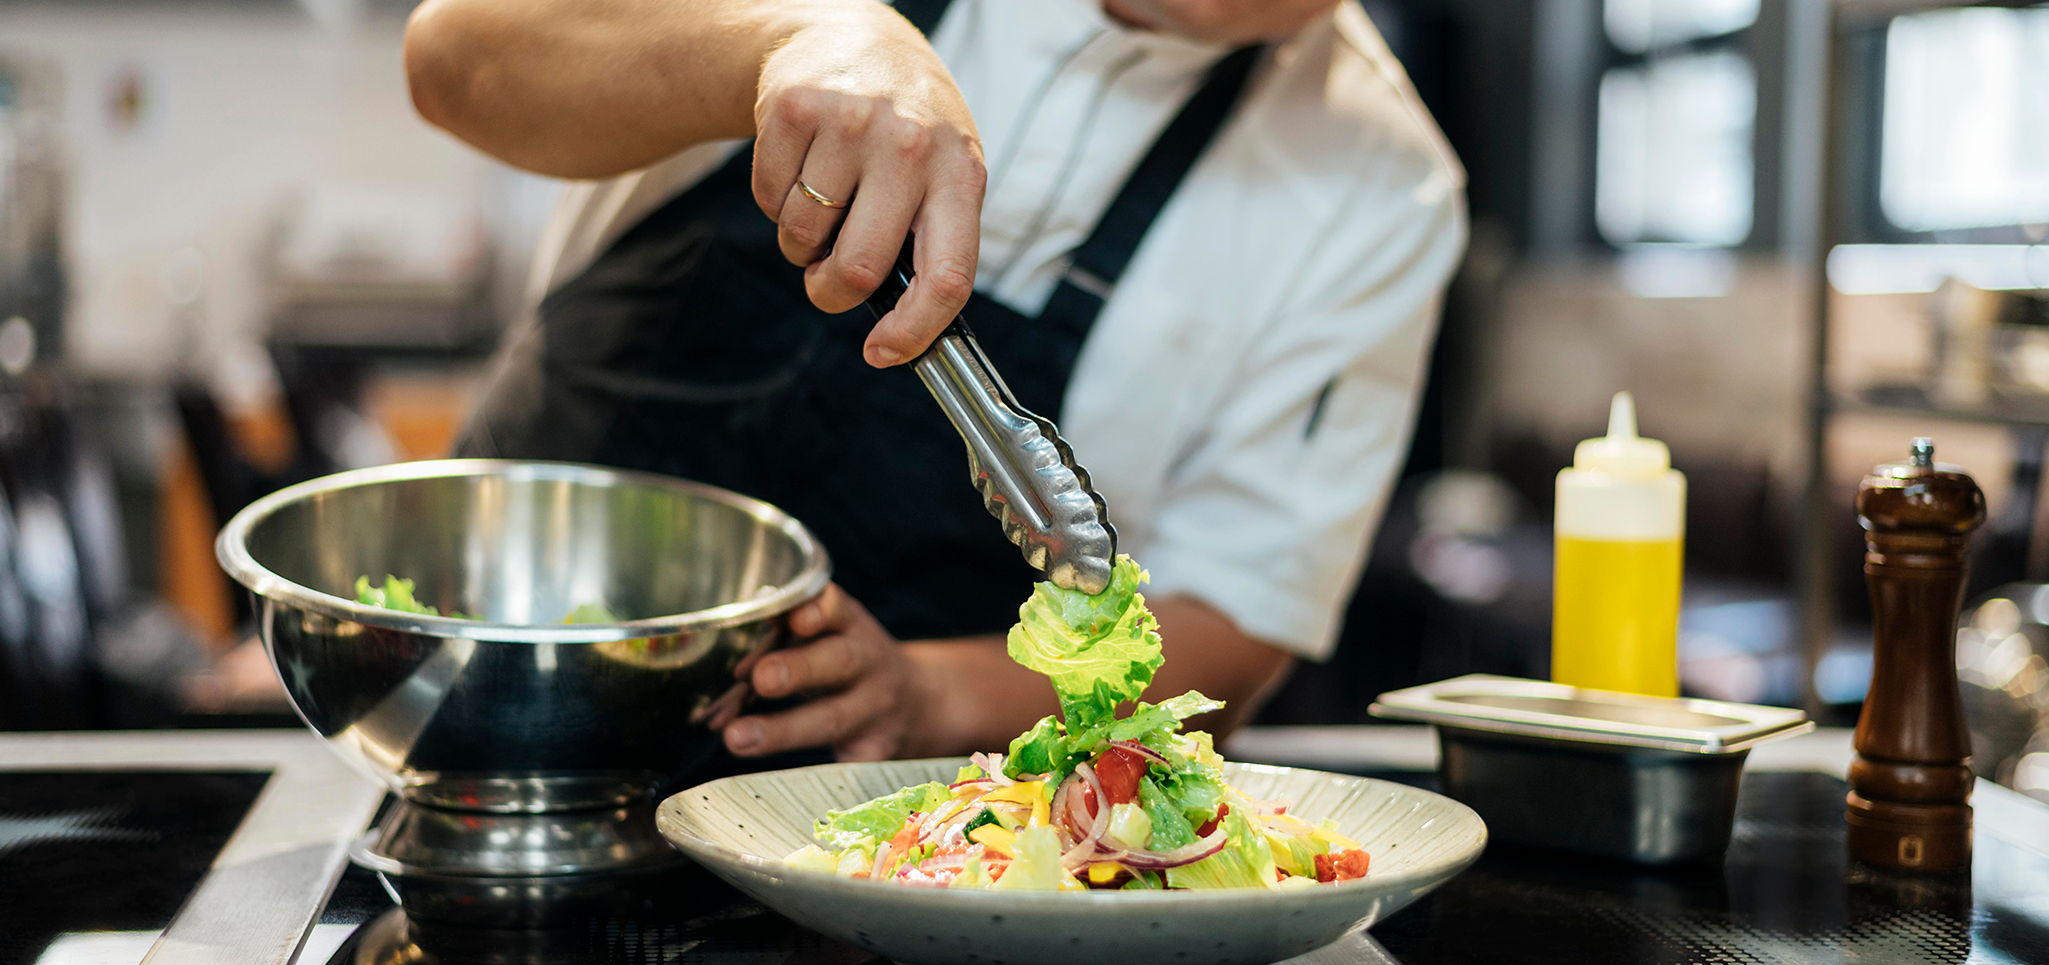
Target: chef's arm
{"points": [[581, 89], [976, 698], [843, 97]]}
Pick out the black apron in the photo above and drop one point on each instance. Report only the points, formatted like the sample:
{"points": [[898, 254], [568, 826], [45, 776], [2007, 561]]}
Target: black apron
{"points": [[689, 348]]}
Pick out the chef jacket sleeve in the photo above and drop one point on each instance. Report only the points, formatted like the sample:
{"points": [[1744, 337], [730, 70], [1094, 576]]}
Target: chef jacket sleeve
{"points": [[1270, 516]]}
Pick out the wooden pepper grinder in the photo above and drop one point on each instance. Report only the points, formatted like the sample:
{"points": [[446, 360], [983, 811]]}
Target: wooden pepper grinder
{"points": [[1910, 784]]}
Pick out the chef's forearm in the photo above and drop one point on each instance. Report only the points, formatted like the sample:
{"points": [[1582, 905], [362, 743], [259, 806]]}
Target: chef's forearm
{"points": [[595, 88], [973, 697]]}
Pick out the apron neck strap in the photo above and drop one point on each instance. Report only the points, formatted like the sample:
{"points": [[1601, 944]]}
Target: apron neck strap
{"points": [[1096, 265]]}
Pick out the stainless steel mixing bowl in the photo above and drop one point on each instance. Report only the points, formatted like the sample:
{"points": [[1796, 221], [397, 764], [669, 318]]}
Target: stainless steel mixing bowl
{"points": [[519, 711]]}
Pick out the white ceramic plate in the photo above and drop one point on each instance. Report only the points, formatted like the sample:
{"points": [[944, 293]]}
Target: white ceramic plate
{"points": [[741, 827]]}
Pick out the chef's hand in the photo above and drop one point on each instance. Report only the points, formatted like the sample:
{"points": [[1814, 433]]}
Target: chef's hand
{"points": [[860, 684], [866, 115], [1220, 21]]}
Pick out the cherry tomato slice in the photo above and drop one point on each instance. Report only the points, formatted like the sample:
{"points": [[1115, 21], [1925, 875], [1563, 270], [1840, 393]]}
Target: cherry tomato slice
{"points": [[1342, 866], [1211, 824], [1119, 771]]}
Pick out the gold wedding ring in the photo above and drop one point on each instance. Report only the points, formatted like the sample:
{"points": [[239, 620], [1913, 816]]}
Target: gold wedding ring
{"points": [[813, 194]]}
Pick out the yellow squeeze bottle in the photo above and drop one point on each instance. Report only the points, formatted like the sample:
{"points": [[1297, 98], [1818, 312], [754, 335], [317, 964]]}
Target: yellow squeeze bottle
{"points": [[1620, 530]]}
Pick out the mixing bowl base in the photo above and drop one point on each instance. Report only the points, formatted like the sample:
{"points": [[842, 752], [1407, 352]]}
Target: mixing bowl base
{"points": [[516, 870]]}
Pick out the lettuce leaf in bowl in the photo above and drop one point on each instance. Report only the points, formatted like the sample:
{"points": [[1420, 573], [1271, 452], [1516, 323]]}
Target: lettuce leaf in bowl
{"points": [[875, 821]]}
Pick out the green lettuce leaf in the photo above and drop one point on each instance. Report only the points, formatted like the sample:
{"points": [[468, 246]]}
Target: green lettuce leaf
{"points": [[973, 876], [395, 594], [1197, 791], [1035, 751], [591, 613], [1154, 725], [1148, 718], [1036, 866], [1144, 881], [1171, 828], [1247, 861], [1296, 853], [865, 825], [1098, 650]]}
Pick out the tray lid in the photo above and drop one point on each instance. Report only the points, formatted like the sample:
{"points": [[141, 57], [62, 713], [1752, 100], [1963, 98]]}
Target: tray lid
{"points": [[1537, 708]]}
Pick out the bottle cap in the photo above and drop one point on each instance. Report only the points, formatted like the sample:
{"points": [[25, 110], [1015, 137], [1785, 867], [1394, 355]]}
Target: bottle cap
{"points": [[1622, 452]]}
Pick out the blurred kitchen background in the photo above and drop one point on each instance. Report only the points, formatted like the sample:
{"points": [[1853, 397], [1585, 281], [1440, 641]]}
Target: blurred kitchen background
{"points": [[231, 257]]}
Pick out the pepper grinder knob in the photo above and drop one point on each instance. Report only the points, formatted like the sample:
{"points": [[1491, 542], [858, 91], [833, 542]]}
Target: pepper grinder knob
{"points": [[1910, 783]]}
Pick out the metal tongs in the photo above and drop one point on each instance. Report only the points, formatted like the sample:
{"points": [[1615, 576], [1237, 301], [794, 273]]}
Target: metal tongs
{"points": [[1025, 472]]}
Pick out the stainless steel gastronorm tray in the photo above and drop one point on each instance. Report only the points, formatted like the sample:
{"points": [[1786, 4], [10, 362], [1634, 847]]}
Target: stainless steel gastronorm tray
{"points": [[1536, 708]]}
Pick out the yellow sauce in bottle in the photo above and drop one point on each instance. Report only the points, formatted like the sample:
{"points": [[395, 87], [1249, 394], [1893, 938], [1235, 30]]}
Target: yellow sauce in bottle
{"points": [[1615, 615], [1620, 539]]}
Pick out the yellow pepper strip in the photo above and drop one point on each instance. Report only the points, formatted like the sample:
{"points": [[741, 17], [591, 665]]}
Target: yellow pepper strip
{"points": [[995, 839], [1024, 792], [1041, 813], [1333, 837], [1104, 872]]}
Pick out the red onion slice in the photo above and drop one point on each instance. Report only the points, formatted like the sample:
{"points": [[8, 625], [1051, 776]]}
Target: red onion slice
{"points": [[1094, 825], [992, 765], [1062, 803], [1160, 861], [946, 862], [1088, 776], [881, 862], [1143, 751], [938, 816], [1076, 807], [971, 782]]}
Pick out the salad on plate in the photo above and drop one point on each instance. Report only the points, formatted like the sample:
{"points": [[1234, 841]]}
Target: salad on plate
{"points": [[1088, 799]]}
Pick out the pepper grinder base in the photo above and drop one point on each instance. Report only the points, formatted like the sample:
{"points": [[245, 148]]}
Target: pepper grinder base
{"points": [[1929, 838]]}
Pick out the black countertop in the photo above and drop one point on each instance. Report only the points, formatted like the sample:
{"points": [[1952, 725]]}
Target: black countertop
{"points": [[92, 855], [1785, 893]]}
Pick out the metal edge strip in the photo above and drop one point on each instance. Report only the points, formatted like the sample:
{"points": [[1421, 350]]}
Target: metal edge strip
{"points": [[1429, 704], [1441, 692], [261, 898], [2011, 816], [1590, 736]]}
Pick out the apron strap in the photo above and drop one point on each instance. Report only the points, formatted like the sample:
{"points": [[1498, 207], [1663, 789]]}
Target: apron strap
{"points": [[1095, 265], [923, 14]]}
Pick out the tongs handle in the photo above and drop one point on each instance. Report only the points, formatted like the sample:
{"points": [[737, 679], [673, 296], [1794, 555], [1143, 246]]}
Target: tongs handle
{"points": [[1026, 473]]}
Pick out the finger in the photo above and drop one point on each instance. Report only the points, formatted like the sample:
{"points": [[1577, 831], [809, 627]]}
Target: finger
{"points": [[823, 664], [806, 227], [825, 613], [727, 708], [818, 723], [949, 233], [784, 137], [868, 243]]}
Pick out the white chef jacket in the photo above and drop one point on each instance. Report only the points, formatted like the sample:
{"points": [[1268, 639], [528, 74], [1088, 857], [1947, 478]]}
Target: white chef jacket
{"points": [[1245, 396]]}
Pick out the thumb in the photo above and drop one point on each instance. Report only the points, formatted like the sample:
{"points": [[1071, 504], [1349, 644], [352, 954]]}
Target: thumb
{"points": [[827, 613]]}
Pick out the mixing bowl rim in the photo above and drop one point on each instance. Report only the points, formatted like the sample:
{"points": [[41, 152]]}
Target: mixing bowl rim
{"points": [[232, 551]]}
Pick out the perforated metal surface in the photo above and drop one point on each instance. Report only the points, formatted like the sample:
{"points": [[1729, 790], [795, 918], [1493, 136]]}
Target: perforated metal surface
{"points": [[1786, 894], [94, 853], [693, 920]]}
